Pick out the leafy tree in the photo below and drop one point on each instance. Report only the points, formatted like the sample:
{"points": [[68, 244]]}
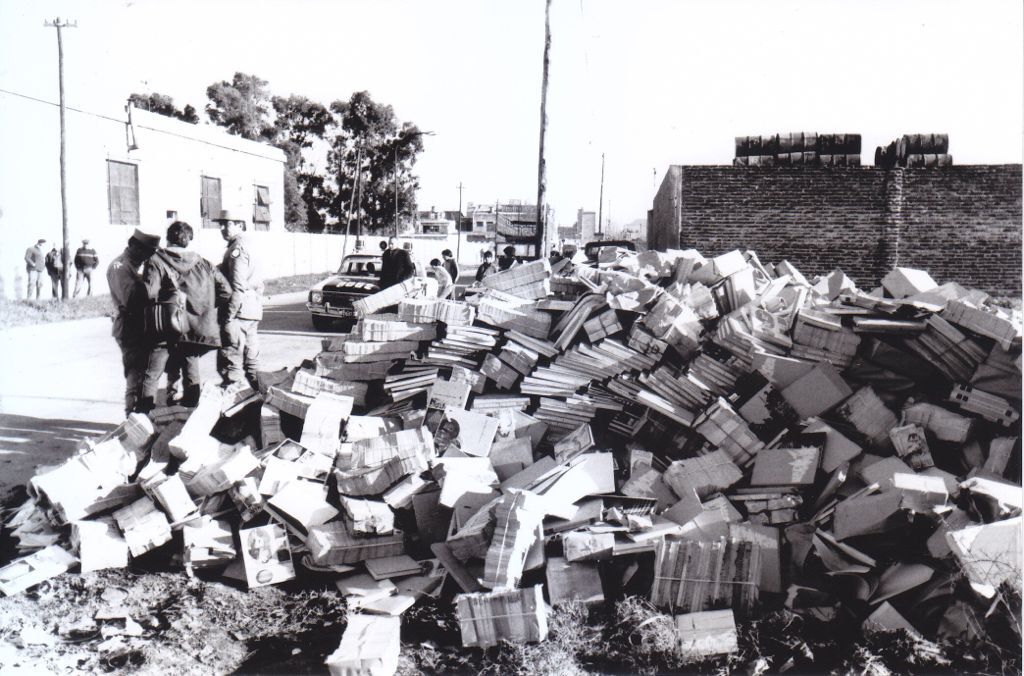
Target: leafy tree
{"points": [[372, 147], [298, 123], [163, 104], [241, 106]]}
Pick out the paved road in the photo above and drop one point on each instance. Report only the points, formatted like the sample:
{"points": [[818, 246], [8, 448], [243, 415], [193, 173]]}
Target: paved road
{"points": [[62, 381]]}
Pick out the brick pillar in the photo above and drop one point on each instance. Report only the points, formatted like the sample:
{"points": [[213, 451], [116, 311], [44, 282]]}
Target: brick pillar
{"points": [[889, 251]]}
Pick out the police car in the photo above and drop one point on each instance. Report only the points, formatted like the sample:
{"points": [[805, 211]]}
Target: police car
{"points": [[330, 301], [332, 298]]}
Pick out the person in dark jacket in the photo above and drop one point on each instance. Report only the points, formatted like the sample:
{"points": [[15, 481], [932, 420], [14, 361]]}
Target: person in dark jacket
{"points": [[175, 270], [129, 296], [86, 261], [35, 265], [387, 263], [450, 265], [486, 268], [55, 268]]}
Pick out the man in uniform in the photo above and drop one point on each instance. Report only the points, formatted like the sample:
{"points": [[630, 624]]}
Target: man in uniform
{"points": [[240, 351], [86, 261], [35, 264], [129, 296]]}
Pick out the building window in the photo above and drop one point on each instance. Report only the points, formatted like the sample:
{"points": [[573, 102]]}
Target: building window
{"points": [[261, 208], [209, 201], [123, 192]]}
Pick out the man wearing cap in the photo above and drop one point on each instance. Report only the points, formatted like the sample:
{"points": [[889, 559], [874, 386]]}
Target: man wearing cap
{"points": [[35, 264], [240, 351], [129, 295], [86, 260]]}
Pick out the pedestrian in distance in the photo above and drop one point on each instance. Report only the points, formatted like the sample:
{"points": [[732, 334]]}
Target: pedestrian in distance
{"points": [[509, 259], [55, 268], [445, 287], [35, 265], [239, 355], [171, 271], [451, 265], [387, 262], [86, 261], [124, 278], [486, 269], [401, 260]]}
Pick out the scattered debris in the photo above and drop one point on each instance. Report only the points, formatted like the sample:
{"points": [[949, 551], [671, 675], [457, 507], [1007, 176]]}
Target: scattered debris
{"points": [[721, 435]]}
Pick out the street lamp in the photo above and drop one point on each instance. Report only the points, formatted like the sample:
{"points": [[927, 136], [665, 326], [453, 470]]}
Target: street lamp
{"points": [[402, 136]]}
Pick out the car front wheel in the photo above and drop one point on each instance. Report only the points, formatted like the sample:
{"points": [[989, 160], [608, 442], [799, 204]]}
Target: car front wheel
{"points": [[321, 323]]}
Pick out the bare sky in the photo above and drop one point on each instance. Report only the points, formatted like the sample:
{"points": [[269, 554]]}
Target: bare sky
{"points": [[647, 82]]}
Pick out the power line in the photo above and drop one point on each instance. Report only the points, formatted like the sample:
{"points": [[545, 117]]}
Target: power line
{"points": [[139, 126]]}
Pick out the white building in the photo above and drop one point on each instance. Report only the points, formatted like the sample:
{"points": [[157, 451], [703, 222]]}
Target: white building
{"points": [[146, 174]]}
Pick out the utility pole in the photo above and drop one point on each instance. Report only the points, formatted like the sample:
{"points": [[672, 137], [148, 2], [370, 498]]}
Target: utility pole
{"points": [[600, 203], [458, 228], [66, 251], [541, 164], [359, 193], [396, 189], [348, 221]]}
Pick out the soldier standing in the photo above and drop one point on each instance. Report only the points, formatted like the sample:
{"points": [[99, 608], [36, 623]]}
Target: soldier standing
{"points": [[240, 351], [129, 296]]}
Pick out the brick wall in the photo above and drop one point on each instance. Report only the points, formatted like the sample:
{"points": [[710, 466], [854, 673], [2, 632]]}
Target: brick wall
{"points": [[961, 223]]}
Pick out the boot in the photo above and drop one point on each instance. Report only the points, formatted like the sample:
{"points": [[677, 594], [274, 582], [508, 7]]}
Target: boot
{"points": [[144, 405], [191, 396]]}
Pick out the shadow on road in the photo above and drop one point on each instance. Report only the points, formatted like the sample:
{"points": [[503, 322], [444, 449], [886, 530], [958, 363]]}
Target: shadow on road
{"points": [[26, 442]]}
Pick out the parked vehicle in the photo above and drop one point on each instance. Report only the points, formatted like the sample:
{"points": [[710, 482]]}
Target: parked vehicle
{"points": [[591, 249], [331, 299]]}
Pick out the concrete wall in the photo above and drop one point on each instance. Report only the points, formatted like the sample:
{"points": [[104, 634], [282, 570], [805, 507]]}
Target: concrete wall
{"points": [[960, 223]]}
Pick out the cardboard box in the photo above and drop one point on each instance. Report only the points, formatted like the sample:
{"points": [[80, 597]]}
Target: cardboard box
{"points": [[707, 633], [573, 581], [517, 616], [369, 647]]}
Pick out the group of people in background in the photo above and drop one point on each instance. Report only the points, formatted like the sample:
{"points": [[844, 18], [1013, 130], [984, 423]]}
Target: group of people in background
{"points": [[223, 305], [36, 263]]}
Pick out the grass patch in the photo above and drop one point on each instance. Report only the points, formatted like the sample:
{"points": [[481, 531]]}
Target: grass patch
{"points": [[28, 312], [31, 312]]}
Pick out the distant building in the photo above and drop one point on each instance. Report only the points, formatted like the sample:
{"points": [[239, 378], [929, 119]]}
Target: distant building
{"points": [[586, 225], [435, 222]]}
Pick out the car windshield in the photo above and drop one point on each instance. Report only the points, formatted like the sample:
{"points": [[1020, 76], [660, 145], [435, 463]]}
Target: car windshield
{"points": [[360, 267]]}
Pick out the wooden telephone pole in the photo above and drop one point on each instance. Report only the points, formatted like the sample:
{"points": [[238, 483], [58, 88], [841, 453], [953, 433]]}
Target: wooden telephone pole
{"points": [[600, 204], [541, 165], [66, 250], [458, 228]]}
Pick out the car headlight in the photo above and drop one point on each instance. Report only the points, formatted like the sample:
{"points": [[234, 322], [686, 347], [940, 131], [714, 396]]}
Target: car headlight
{"points": [[316, 297]]}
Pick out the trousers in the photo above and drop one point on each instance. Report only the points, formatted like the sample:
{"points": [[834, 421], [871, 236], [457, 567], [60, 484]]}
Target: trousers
{"points": [[178, 366], [83, 274], [57, 283], [35, 281], [243, 358], [134, 358]]}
